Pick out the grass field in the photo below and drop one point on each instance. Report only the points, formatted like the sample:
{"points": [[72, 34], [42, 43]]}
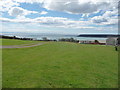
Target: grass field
{"points": [[60, 65], [16, 42]]}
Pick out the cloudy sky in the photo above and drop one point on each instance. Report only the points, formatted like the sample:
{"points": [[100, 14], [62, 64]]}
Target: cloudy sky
{"points": [[59, 16]]}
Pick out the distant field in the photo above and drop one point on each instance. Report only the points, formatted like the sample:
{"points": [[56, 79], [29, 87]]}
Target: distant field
{"points": [[60, 65], [16, 42]]}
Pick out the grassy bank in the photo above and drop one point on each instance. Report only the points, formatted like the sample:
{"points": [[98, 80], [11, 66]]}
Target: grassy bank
{"points": [[16, 42], [60, 65]]}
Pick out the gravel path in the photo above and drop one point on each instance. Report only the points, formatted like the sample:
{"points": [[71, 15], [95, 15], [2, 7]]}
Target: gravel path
{"points": [[22, 46]]}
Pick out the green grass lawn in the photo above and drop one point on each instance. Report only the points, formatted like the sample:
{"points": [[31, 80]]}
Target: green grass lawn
{"points": [[60, 65], [16, 42]]}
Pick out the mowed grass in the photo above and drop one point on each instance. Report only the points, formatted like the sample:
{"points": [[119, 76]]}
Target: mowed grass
{"points": [[60, 65], [16, 42]]}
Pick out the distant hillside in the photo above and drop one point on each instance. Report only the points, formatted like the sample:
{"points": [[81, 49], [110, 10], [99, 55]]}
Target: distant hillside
{"points": [[98, 35]]}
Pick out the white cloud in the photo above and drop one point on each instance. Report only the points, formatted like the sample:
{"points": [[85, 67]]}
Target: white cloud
{"points": [[65, 22], [61, 22], [43, 12], [79, 6], [84, 7], [110, 13], [99, 19], [5, 5], [113, 21], [29, 1], [21, 27], [108, 18], [13, 9], [19, 20], [69, 6], [17, 11], [50, 21]]}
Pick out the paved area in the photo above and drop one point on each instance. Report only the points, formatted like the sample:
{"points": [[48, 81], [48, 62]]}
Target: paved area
{"points": [[22, 46]]}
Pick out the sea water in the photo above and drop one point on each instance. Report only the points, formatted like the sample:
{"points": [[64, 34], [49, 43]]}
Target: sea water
{"points": [[39, 36]]}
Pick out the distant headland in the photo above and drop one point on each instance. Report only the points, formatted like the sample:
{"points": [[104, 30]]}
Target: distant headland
{"points": [[98, 35]]}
